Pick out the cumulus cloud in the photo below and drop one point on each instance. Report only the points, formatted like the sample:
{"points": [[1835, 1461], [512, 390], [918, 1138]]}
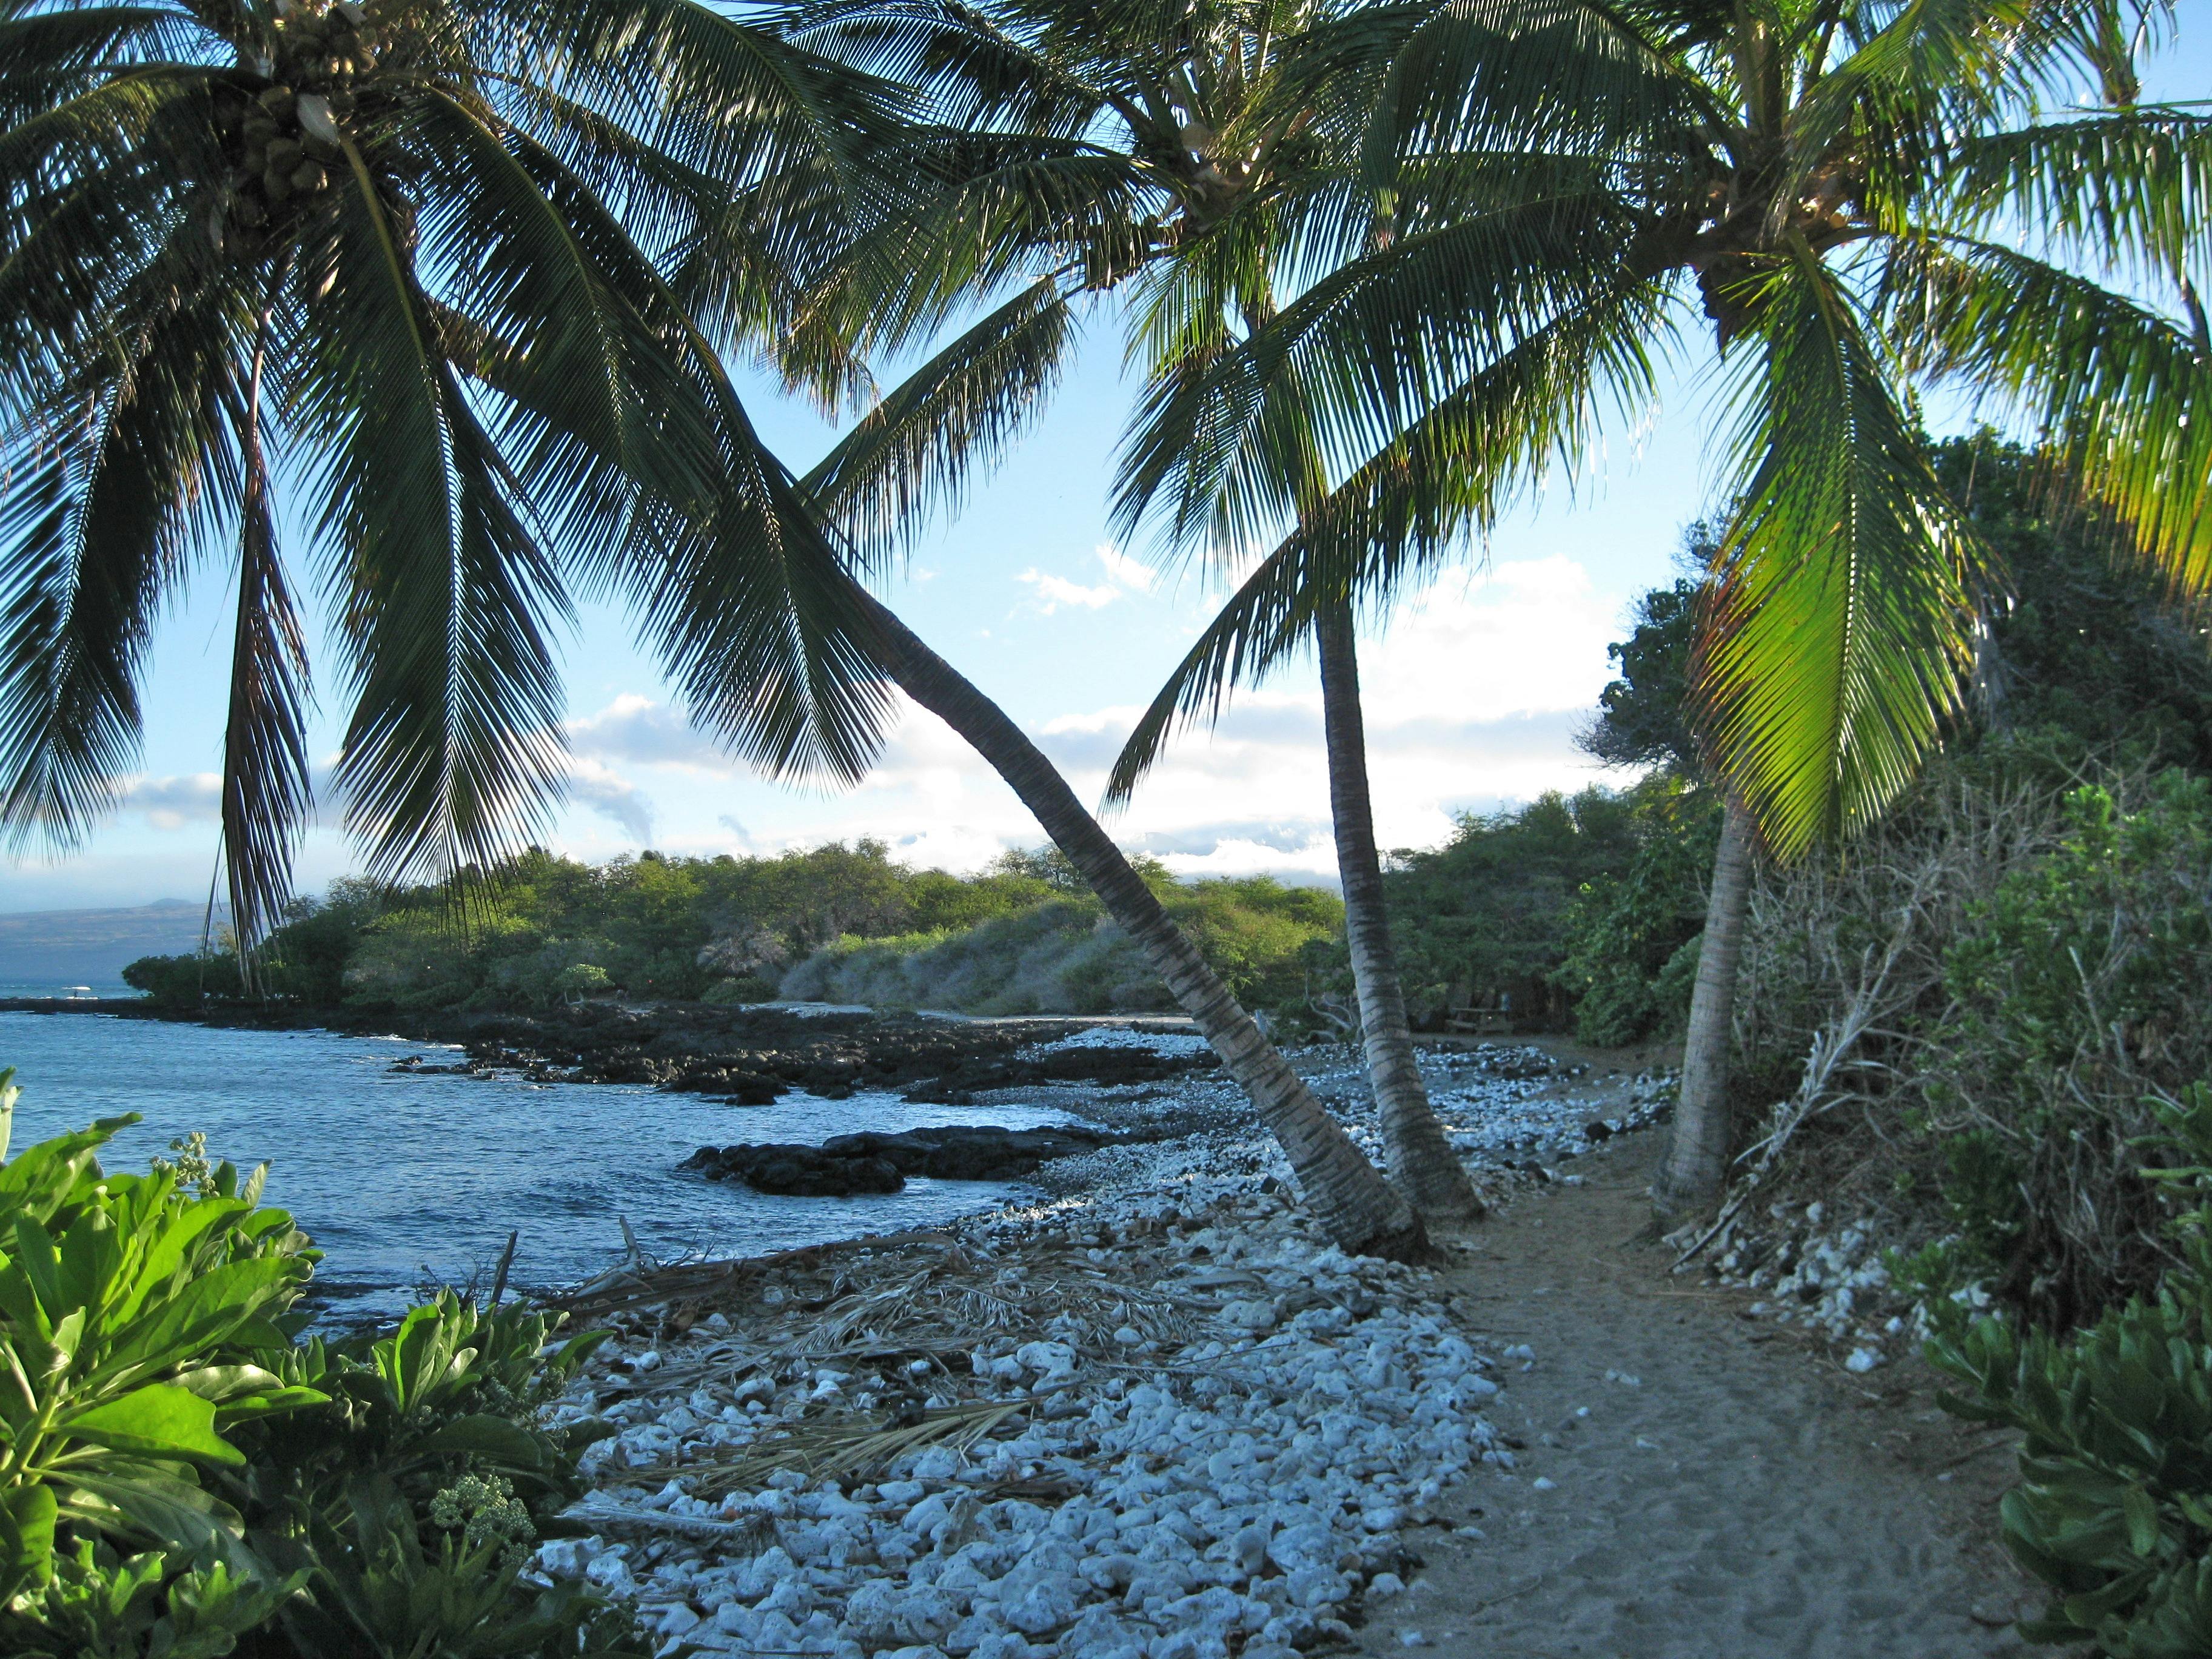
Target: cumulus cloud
{"points": [[1473, 694], [1474, 691], [1124, 572], [636, 729], [171, 802], [1124, 576], [612, 796]]}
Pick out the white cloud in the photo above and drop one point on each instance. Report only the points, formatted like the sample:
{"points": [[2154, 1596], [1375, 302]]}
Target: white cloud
{"points": [[637, 729], [1124, 572], [1473, 694], [1124, 576], [171, 802], [1052, 592]]}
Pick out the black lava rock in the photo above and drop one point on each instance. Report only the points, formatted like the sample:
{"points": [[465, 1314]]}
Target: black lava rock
{"points": [[800, 1171], [872, 1162]]}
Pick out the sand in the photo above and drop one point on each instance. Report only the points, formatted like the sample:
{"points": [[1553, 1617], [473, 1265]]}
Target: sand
{"points": [[1742, 1496]]}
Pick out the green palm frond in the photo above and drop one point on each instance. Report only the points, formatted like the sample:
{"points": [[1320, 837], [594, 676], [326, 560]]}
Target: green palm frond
{"points": [[1220, 440], [1836, 629], [2120, 396], [910, 457], [996, 212], [708, 88], [111, 496], [453, 747], [2132, 189], [1449, 77], [266, 791], [1409, 508]]}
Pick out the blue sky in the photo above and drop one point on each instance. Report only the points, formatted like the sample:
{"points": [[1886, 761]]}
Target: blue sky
{"points": [[1474, 686]]}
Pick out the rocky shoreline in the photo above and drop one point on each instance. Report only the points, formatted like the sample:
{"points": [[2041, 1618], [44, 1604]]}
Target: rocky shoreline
{"points": [[747, 1056], [1157, 1417]]}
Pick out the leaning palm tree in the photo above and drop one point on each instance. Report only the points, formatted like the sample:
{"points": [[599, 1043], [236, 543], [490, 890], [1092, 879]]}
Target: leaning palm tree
{"points": [[347, 277], [1124, 147], [447, 276], [1850, 200]]}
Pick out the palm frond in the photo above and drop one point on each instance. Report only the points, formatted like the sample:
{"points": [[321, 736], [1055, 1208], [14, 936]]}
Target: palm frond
{"points": [[1835, 633], [453, 750], [1218, 441], [909, 458], [2120, 396], [2132, 190], [115, 485], [266, 794], [1394, 519]]}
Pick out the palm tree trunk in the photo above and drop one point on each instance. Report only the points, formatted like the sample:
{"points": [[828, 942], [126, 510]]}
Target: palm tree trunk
{"points": [[1698, 1151], [1421, 1160], [1361, 1211]]}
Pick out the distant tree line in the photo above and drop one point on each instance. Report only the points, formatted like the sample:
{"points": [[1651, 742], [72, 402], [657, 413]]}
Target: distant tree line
{"points": [[538, 930]]}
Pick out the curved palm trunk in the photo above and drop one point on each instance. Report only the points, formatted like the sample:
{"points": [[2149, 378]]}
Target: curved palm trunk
{"points": [[1421, 1160], [1698, 1151], [1361, 1211]]}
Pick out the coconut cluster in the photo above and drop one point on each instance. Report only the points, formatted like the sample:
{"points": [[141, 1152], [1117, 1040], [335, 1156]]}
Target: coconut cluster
{"points": [[285, 139]]}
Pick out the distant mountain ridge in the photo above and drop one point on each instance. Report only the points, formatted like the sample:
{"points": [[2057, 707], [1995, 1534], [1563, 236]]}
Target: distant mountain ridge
{"points": [[90, 947]]}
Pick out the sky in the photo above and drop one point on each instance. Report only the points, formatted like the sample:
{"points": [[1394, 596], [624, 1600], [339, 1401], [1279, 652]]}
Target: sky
{"points": [[1474, 685]]}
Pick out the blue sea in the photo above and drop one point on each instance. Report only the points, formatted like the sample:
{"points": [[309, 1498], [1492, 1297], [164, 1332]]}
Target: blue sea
{"points": [[406, 1181]]}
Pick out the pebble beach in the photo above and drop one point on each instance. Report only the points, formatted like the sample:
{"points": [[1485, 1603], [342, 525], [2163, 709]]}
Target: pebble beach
{"points": [[1156, 1416]]}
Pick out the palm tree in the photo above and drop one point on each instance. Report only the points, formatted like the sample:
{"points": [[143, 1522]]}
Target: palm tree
{"points": [[462, 307], [1084, 148], [267, 262], [1852, 201]]}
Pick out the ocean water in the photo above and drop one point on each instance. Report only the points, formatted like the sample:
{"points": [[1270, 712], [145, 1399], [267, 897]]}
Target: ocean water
{"points": [[406, 1180]]}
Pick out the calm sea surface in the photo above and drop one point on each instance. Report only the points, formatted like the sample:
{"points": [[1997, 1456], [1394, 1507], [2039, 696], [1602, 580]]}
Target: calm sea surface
{"points": [[405, 1180]]}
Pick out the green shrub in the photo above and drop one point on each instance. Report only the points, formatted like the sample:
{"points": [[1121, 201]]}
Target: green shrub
{"points": [[2075, 990], [180, 1476], [2114, 1508], [744, 988]]}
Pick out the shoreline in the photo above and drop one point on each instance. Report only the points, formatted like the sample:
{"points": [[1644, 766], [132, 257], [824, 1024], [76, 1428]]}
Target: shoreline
{"points": [[749, 1054], [1159, 1416], [1156, 1416]]}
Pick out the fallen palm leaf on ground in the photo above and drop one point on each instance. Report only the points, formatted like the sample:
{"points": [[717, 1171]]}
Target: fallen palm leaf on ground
{"points": [[839, 1447]]}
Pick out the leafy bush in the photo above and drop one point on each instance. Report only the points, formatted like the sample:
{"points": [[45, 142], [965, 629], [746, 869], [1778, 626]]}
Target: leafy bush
{"points": [[1630, 939], [2076, 990], [1065, 956], [2114, 1508], [181, 1477]]}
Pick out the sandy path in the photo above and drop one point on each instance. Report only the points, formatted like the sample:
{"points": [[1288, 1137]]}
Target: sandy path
{"points": [[1744, 1499]]}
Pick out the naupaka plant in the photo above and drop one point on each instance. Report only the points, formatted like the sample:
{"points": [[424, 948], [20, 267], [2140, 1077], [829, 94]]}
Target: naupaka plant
{"points": [[142, 1318]]}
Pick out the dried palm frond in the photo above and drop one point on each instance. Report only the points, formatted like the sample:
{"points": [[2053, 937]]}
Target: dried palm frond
{"points": [[838, 1447]]}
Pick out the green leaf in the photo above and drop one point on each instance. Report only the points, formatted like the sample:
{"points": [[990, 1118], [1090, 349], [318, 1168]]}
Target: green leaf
{"points": [[160, 1419], [498, 1438], [26, 1540], [2141, 1512], [1838, 628]]}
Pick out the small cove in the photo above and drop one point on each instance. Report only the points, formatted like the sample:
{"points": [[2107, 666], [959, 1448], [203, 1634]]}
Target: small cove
{"points": [[406, 1179]]}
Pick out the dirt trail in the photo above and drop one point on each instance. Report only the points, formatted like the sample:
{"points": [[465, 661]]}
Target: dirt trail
{"points": [[1743, 1498]]}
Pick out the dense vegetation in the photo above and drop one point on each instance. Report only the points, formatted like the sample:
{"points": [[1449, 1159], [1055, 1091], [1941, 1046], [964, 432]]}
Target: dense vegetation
{"points": [[184, 1477], [836, 922]]}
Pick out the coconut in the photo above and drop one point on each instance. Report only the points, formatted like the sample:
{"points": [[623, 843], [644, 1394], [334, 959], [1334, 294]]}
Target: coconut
{"points": [[309, 179], [277, 99]]}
